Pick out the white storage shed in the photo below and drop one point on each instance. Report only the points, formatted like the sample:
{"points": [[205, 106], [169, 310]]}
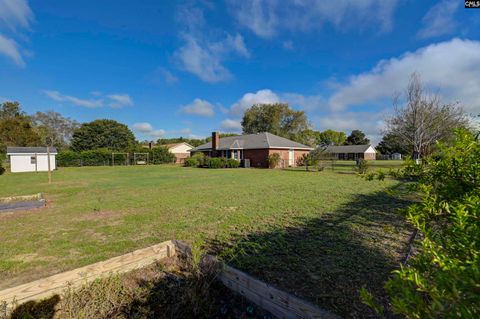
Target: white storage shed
{"points": [[31, 159]]}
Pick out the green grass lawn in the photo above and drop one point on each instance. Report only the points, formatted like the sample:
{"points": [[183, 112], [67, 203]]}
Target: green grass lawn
{"points": [[319, 235]]}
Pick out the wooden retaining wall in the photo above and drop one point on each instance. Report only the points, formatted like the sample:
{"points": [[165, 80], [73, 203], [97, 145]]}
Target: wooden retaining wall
{"points": [[277, 302]]}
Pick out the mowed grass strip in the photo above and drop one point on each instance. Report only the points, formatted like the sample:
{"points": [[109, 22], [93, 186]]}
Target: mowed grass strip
{"points": [[300, 230]]}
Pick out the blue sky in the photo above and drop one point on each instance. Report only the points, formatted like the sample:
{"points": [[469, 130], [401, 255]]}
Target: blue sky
{"points": [[171, 68]]}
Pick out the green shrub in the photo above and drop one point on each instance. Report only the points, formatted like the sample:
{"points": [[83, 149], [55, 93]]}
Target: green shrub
{"points": [[362, 166], [161, 155], [213, 162], [381, 175], [442, 279], [99, 157], [200, 158], [68, 158], [369, 176], [273, 160], [394, 173], [232, 163], [191, 162]]}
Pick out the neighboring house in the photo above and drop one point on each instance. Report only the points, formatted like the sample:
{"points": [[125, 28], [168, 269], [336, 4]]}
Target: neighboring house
{"points": [[254, 147], [352, 152], [180, 150], [31, 159]]}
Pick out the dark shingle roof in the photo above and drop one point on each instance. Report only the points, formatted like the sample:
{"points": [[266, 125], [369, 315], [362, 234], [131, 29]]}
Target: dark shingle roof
{"points": [[347, 148], [29, 150], [253, 141]]}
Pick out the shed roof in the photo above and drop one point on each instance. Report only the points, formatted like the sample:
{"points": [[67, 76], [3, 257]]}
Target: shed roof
{"points": [[253, 141], [30, 150], [348, 148]]}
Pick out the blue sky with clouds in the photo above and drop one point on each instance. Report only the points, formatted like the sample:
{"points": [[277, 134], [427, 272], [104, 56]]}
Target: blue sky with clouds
{"points": [[171, 68]]}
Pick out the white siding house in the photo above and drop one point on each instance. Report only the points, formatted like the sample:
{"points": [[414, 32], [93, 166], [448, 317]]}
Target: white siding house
{"points": [[180, 150], [31, 159]]}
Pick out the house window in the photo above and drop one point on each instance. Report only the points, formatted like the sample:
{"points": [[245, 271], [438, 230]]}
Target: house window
{"points": [[33, 160]]}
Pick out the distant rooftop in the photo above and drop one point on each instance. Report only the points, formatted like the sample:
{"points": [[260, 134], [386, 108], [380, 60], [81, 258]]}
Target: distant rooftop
{"points": [[348, 148], [253, 141], [30, 150]]}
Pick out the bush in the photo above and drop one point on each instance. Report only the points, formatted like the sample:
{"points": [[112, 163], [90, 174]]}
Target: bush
{"points": [[232, 163], [273, 160], [213, 162], [68, 158], [200, 158], [381, 175], [362, 166], [441, 279], [99, 157], [161, 155], [370, 176], [191, 162]]}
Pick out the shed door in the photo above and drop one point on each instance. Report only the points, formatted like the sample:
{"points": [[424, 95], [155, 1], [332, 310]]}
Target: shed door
{"points": [[291, 158]]}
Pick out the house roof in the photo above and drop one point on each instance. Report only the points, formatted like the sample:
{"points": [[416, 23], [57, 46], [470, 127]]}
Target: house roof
{"points": [[171, 145], [30, 150], [253, 141], [348, 148]]}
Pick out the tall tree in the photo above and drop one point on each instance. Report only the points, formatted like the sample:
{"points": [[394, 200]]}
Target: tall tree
{"points": [[54, 128], [331, 137], [277, 119], [392, 143], [357, 137], [15, 127], [102, 134], [423, 119]]}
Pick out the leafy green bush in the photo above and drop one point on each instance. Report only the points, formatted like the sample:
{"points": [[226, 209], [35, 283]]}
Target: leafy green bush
{"points": [[232, 163], [98, 157], [191, 162], [370, 176], [200, 158], [68, 158], [362, 166], [161, 155], [213, 162], [273, 160], [442, 279], [381, 175]]}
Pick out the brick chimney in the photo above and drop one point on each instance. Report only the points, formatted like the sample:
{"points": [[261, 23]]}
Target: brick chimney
{"points": [[215, 142]]}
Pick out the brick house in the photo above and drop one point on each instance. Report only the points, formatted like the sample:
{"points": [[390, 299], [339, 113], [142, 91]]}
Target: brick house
{"points": [[352, 152], [254, 147]]}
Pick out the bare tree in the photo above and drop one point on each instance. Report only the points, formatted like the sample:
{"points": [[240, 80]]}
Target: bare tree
{"points": [[423, 119]]}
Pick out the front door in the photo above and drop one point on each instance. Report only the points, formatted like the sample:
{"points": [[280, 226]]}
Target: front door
{"points": [[291, 158]]}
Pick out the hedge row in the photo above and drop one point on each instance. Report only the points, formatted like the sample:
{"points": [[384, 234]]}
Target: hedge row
{"points": [[102, 156], [199, 160]]}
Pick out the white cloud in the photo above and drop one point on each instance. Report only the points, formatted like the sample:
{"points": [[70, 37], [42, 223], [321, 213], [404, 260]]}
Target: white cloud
{"points": [[57, 96], [249, 99], [267, 18], [119, 100], [306, 102], [168, 76], [10, 48], [147, 129], [452, 68], [15, 13], [143, 127], [439, 20], [199, 107], [231, 125], [113, 100], [204, 52]]}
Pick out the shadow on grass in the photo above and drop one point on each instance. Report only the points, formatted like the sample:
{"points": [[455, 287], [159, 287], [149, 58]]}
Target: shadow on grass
{"points": [[327, 259], [36, 309]]}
